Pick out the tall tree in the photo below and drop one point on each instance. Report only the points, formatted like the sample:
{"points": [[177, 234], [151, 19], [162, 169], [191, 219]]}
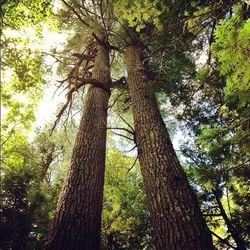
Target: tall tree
{"points": [[77, 222], [160, 167], [176, 217]]}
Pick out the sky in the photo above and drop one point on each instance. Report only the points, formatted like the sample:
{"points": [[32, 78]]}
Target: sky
{"points": [[47, 106]]}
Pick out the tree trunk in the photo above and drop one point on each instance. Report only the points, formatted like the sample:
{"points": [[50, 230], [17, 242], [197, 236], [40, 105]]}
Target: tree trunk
{"points": [[176, 217], [77, 222]]}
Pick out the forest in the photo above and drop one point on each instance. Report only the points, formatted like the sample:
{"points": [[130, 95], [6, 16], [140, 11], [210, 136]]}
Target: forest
{"points": [[125, 125]]}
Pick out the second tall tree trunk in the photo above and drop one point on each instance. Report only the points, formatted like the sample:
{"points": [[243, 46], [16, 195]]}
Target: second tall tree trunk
{"points": [[177, 221], [77, 223]]}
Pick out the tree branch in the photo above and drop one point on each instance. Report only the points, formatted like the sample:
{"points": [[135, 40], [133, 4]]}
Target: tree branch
{"points": [[126, 123], [106, 44], [88, 57], [124, 136], [94, 82], [127, 151], [132, 165], [76, 13], [222, 240], [127, 130], [79, 83], [231, 227]]}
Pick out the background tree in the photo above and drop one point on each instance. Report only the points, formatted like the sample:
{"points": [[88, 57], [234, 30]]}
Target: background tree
{"points": [[219, 124], [125, 214], [206, 108], [22, 77]]}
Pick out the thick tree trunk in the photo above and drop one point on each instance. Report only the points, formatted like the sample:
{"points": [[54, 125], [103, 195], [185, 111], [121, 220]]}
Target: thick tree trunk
{"points": [[176, 217], [77, 221]]}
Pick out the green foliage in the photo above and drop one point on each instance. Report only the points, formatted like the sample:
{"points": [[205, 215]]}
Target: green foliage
{"points": [[28, 194], [125, 214], [19, 13], [38, 169], [139, 13], [22, 82], [216, 110], [217, 116], [22, 64], [231, 49], [15, 219]]}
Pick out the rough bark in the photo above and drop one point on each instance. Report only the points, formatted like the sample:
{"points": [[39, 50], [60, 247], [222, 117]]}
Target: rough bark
{"points": [[176, 217], [77, 221]]}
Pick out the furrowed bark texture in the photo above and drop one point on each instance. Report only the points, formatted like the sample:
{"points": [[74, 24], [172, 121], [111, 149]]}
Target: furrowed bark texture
{"points": [[77, 221], [176, 217]]}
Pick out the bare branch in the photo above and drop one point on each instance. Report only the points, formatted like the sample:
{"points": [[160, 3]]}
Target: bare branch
{"points": [[80, 82], [69, 100], [127, 151], [87, 57], [191, 97], [94, 82], [10, 135], [212, 214], [76, 13], [102, 15], [124, 136], [106, 44], [132, 165], [210, 42], [127, 130], [126, 123], [222, 240], [116, 99]]}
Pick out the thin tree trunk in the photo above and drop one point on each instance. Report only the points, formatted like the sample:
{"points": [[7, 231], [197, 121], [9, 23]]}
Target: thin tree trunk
{"points": [[232, 230], [77, 221], [176, 217]]}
